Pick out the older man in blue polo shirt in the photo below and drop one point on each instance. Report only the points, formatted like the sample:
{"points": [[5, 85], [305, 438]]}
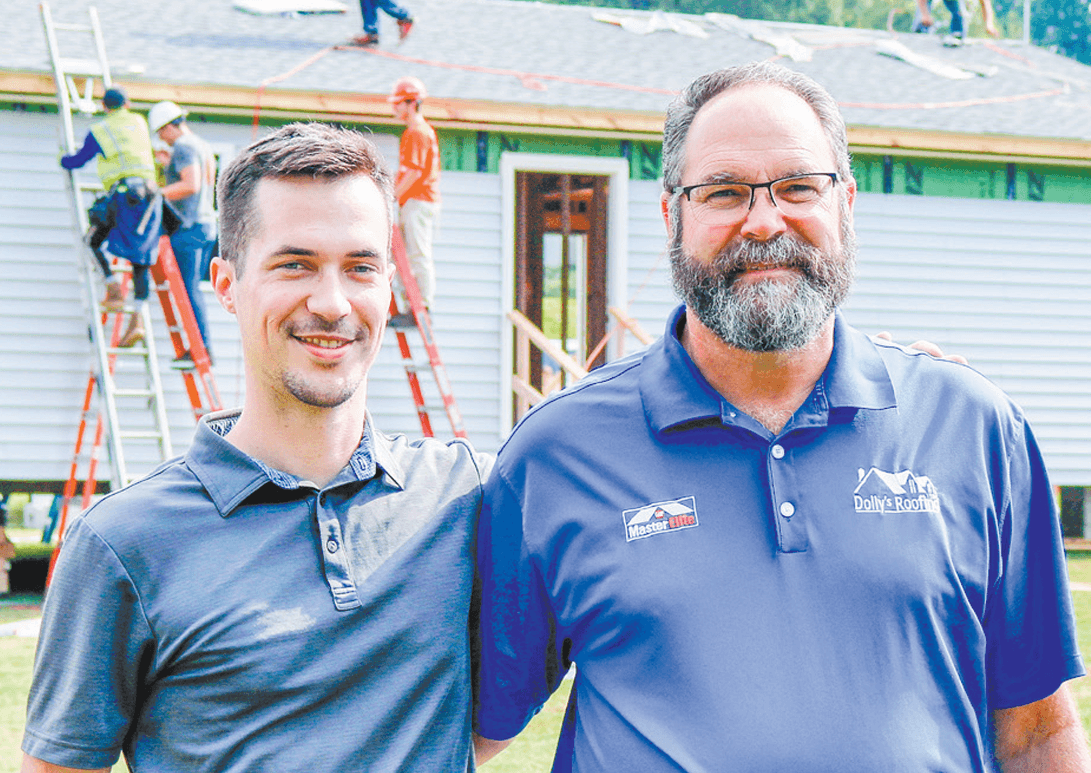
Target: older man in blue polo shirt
{"points": [[293, 593], [767, 542]]}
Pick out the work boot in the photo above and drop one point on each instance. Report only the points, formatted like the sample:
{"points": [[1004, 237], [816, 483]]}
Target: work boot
{"points": [[114, 300], [404, 26], [134, 334], [364, 41]]}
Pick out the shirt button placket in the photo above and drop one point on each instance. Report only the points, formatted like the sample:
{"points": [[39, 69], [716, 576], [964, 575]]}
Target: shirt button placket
{"points": [[791, 532], [335, 560]]}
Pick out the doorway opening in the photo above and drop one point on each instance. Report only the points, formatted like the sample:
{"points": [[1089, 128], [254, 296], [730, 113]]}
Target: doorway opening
{"points": [[561, 256]]}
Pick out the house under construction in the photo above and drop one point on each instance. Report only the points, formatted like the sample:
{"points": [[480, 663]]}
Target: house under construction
{"points": [[974, 213]]}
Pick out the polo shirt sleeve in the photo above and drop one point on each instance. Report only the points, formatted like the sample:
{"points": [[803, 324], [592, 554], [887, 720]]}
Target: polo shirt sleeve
{"points": [[94, 647], [517, 659], [1030, 626]]}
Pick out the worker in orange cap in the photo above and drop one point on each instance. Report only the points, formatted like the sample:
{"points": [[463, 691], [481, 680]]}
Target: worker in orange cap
{"points": [[417, 183]]}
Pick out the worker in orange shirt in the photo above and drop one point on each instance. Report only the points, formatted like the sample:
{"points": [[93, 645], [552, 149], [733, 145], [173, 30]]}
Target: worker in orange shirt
{"points": [[417, 183]]}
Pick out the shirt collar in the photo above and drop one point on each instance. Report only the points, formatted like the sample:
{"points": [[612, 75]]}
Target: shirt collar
{"points": [[675, 393], [231, 476], [856, 376], [673, 390], [384, 456]]}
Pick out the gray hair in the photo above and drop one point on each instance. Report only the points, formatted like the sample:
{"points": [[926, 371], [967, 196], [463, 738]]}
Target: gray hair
{"points": [[297, 150], [683, 109]]}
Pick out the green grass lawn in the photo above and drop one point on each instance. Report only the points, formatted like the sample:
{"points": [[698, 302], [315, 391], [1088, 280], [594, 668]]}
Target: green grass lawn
{"points": [[16, 658], [531, 752], [1079, 570]]}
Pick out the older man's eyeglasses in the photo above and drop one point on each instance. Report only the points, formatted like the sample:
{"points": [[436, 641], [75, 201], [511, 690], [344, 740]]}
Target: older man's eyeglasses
{"points": [[728, 203]]}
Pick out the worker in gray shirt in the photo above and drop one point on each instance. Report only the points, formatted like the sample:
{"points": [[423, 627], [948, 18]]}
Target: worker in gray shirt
{"points": [[191, 183]]}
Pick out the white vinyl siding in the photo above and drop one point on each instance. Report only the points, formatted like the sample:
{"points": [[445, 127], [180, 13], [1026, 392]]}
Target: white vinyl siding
{"points": [[45, 353], [466, 319], [43, 338], [1008, 284], [650, 298]]}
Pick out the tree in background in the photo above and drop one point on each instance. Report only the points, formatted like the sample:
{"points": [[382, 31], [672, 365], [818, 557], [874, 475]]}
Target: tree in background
{"points": [[1063, 26]]}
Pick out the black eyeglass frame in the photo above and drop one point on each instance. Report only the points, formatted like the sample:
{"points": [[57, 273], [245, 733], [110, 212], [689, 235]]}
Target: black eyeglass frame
{"points": [[684, 190]]}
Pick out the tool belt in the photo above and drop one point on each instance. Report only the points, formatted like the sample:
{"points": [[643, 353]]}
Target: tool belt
{"points": [[135, 190], [103, 212]]}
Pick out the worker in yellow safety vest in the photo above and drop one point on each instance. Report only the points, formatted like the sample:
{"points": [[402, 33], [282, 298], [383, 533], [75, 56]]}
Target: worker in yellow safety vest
{"points": [[126, 219]]}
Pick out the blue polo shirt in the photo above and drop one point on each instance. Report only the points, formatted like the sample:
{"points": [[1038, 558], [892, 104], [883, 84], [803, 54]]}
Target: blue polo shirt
{"points": [[855, 593], [220, 615]]}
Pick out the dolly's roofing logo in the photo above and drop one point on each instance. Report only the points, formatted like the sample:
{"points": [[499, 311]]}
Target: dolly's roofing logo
{"points": [[660, 518], [895, 492]]}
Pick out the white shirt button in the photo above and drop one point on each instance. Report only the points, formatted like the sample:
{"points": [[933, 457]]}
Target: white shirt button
{"points": [[787, 509], [778, 451]]}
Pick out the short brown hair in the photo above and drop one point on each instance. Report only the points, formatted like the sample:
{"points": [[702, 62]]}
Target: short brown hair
{"points": [[297, 150]]}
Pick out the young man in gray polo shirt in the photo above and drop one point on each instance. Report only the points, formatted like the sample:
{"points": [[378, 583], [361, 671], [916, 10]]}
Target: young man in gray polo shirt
{"points": [[293, 593]]}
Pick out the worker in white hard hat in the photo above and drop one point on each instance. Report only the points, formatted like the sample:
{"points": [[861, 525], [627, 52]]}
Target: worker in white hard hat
{"points": [[417, 183], [191, 185]]}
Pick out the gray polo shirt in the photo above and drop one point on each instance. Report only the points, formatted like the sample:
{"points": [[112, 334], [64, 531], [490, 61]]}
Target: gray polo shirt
{"points": [[223, 616]]}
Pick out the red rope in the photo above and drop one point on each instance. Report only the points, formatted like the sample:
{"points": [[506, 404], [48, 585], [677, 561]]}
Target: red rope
{"points": [[530, 80], [283, 76], [535, 82]]}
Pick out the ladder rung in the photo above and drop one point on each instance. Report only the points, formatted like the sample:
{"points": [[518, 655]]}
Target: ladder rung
{"points": [[133, 393], [72, 26], [137, 350], [90, 186], [80, 67], [141, 434]]}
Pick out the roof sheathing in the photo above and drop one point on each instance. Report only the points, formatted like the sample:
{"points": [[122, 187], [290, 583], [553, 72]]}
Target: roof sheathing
{"points": [[532, 67]]}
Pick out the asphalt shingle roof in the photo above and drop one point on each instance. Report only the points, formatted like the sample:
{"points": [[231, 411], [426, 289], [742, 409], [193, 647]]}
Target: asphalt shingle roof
{"points": [[537, 54]]}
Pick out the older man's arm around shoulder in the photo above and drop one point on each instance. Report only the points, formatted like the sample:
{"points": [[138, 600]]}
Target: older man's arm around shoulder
{"points": [[486, 748], [35, 765], [1040, 736]]}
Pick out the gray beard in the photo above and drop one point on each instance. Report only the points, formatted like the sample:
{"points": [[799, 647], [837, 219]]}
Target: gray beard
{"points": [[772, 315]]}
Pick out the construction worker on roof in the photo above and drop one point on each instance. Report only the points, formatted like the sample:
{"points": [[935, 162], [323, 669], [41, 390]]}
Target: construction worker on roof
{"points": [[417, 184], [190, 188], [924, 22], [126, 219], [369, 9]]}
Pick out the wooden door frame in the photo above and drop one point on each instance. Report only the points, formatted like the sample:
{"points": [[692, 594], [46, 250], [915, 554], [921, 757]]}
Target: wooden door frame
{"points": [[617, 169]]}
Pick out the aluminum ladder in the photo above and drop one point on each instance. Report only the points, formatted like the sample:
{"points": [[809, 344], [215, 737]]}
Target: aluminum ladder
{"points": [[129, 414]]}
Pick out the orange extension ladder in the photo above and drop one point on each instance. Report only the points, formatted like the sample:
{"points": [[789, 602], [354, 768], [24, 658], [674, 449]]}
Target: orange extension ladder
{"points": [[423, 325]]}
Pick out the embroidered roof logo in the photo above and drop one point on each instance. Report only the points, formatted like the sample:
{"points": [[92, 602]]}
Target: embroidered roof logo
{"points": [[894, 492], [660, 518]]}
